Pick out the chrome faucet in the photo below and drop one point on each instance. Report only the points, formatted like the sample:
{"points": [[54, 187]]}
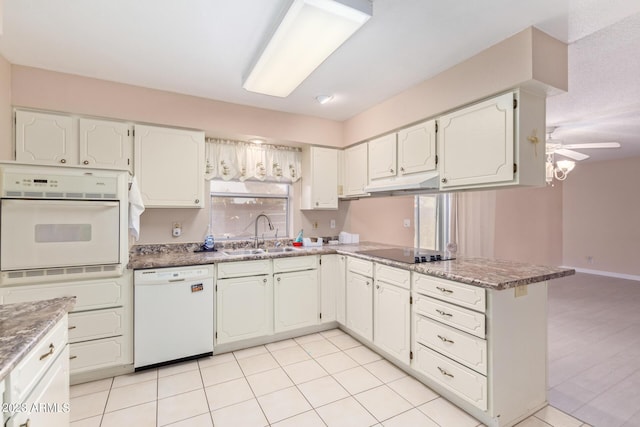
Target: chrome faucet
{"points": [[256, 227]]}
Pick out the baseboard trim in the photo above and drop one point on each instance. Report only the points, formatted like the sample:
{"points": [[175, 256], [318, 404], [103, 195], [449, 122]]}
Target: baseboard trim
{"points": [[606, 273]]}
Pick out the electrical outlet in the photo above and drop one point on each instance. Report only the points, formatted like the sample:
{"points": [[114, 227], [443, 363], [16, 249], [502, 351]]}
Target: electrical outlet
{"points": [[315, 224], [589, 259], [406, 223], [333, 223], [521, 291], [177, 229]]}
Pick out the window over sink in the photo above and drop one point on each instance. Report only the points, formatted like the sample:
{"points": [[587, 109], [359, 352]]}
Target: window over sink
{"points": [[235, 206]]}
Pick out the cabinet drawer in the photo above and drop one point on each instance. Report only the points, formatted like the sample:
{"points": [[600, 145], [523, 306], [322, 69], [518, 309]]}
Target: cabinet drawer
{"points": [[298, 263], [360, 266], [91, 325], [244, 268], [90, 295], [98, 354], [452, 315], [457, 293], [467, 384], [464, 348], [26, 374], [394, 276]]}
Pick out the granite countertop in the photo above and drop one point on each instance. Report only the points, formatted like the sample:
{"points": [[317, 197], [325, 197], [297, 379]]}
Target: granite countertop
{"points": [[23, 325], [482, 272]]}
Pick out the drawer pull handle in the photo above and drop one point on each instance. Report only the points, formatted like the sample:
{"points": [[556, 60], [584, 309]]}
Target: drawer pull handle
{"points": [[27, 424], [73, 357], [445, 373], [443, 339], [444, 290], [444, 313], [51, 350], [71, 327]]}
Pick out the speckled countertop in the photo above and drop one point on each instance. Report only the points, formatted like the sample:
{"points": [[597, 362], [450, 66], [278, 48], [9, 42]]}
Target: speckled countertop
{"points": [[482, 272], [23, 325]]}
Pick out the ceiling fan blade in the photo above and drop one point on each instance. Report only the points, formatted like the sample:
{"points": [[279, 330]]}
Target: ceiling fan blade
{"points": [[593, 145], [571, 154]]}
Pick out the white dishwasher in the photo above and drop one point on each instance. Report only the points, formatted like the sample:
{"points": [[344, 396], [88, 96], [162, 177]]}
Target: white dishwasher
{"points": [[173, 315]]}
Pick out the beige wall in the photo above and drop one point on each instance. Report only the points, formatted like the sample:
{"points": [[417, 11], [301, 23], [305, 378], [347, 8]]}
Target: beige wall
{"points": [[529, 59], [601, 204], [379, 219], [6, 116], [528, 225], [37, 88]]}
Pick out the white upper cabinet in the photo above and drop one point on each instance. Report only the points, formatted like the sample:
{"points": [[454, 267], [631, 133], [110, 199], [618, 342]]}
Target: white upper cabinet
{"points": [[169, 165], [105, 144], [319, 178], [45, 138], [382, 157], [417, 148], [409, 151], [355, 171], [498, 142], [56, 139]]}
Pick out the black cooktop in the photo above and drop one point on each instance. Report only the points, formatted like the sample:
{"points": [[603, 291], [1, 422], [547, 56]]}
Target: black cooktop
{"points": [[408, 255]]}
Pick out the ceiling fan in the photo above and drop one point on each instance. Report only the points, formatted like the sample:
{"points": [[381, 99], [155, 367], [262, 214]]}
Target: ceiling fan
{"points": [[556, 146], [560, 169]]}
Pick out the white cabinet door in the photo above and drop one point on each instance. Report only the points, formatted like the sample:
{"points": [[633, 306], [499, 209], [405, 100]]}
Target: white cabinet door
{"points": [[244, 308], [392, 320], [476, 144], [105, 144], [332, 291], [360, 305], [44, 138], [382, 157], [169, 165], [417, 148], [355, 170], [319, 178], [295, 297]]}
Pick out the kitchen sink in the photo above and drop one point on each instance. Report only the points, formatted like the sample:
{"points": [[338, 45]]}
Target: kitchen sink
{"points": [[231, 252], [284, 249]]}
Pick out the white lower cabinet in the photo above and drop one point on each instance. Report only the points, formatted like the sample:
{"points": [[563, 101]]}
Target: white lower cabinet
{"points": [[391, 320], [100, 325], [295, 298], [39, 383], [360, 304], [332, 288], [244, 308]]}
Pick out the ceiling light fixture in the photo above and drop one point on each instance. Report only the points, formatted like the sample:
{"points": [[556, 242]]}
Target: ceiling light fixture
{"points": [[560, 170], [310, 31], [256, 141], [323, 99]]}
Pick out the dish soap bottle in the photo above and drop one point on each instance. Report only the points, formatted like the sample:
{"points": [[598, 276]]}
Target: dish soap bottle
{"points": [[208, 241]]}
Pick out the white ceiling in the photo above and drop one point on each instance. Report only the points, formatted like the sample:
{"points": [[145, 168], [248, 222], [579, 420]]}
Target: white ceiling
{"points": [[203, 48]]}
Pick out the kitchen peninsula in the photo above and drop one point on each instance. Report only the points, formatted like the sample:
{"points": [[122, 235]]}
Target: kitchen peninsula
{"points": [[474, 330], [34, 362]]}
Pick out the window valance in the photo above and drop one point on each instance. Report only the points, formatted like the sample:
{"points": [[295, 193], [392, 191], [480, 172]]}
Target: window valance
{"points": [[236, 160]]}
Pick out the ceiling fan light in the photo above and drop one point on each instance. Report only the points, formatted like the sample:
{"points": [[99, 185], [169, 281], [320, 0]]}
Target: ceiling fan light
{"points": [[310, 31], [566, 166]]}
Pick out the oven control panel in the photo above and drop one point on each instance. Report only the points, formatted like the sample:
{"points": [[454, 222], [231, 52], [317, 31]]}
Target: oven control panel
{"points": [[58, 186]]}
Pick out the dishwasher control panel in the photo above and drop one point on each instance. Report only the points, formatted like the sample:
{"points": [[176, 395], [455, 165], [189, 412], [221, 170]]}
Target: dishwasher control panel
{"points": [[172, 274]]}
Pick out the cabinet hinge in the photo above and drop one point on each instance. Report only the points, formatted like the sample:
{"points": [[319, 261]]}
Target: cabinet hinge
{"points": [[321, 315], [128, 162], [216, 334], [436, 159], [128, 132], [515, 104], [216, 288], [436, 127], [320, 261], [410, 300], [515, 168], [411, 355]]}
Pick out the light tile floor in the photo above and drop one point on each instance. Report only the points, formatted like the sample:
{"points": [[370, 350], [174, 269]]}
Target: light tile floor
{"points": [[324, 379], [594, 349]]}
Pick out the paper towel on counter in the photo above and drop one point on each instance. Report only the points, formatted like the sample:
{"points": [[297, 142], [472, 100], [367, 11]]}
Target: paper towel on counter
{"points": [[136, 207], [348, 238]]}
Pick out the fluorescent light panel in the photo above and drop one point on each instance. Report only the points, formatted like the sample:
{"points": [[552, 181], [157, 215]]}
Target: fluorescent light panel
{"points": [[309, 32]]}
